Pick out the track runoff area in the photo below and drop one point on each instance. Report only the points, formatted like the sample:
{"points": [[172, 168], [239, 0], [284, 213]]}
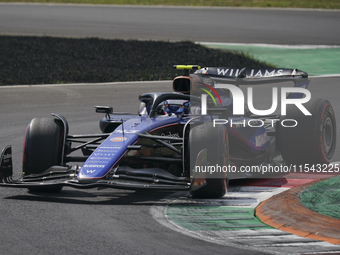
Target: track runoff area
{"points": [[249, 216]]}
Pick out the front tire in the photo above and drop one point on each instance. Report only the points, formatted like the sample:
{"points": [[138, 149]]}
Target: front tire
{"points": [[42, 148], [215, 141]]}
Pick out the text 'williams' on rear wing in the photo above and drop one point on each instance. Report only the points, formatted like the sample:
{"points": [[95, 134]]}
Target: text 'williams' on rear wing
{"points": [[251, 75]]}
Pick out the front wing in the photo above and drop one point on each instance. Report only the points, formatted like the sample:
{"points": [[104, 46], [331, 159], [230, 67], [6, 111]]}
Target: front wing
{"points": [[123, 178]]}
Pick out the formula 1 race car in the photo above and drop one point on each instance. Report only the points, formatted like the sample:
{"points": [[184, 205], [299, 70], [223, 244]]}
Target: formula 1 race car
{"points": [[193, 139]]}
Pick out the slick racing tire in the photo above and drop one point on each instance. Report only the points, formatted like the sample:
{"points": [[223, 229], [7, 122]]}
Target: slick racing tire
{"points": [[42, 148], [313, 139], [215, 141]]}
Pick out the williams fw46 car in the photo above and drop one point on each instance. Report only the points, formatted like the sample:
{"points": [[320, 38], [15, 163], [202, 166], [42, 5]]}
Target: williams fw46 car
{"points": [[194, 139]]}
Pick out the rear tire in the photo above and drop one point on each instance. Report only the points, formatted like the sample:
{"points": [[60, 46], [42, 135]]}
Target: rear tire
{"points": [[42, 148], [215, 140], [313, 140]]}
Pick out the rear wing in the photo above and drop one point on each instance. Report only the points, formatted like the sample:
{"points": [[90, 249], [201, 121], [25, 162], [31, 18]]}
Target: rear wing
{"points": [[238, 76], [245, 76], [253, 73]]}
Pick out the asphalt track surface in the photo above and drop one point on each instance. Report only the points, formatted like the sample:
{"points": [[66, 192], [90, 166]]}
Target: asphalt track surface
{"points": [[238, 25], [118, 221]]}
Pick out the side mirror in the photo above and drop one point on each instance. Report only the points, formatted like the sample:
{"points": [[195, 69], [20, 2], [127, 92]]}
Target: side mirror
{"points": [[104, 109]]}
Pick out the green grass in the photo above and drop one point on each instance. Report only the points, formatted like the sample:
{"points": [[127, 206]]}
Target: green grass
{"points": [[324, 4], [323, 197]]}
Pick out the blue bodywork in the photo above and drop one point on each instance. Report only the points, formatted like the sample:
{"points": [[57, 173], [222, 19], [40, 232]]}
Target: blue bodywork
{"points": [[107, 155]]}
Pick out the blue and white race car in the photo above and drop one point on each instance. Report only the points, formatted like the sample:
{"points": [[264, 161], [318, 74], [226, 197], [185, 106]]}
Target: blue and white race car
{"points": [[194, 139]]}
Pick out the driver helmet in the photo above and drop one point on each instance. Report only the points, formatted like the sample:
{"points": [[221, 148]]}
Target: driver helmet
{"points": [[186, 104]]}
